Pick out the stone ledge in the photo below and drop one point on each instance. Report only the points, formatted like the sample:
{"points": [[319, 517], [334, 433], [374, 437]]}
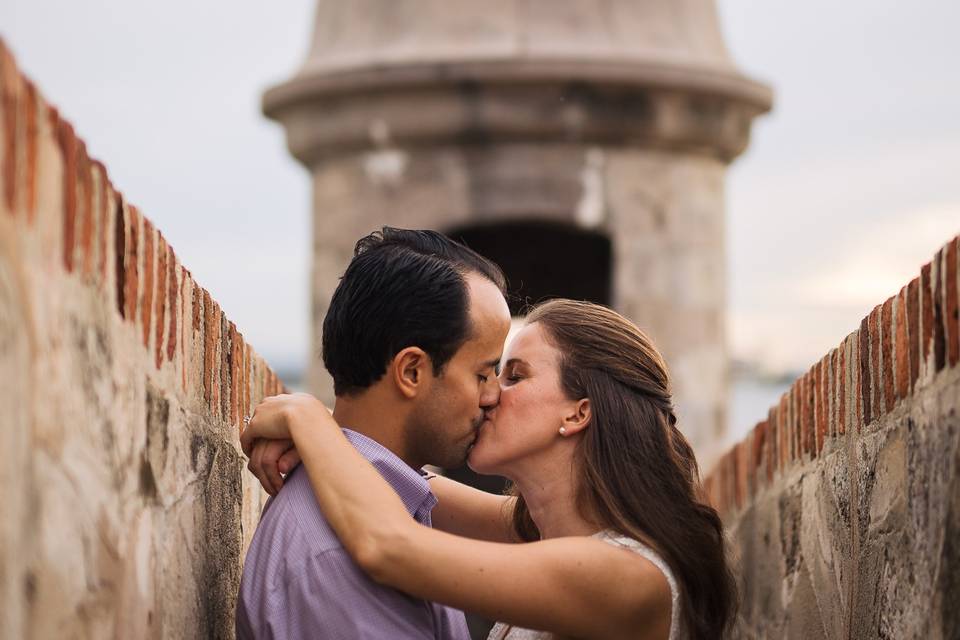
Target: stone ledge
{"points": [[659, 106]]}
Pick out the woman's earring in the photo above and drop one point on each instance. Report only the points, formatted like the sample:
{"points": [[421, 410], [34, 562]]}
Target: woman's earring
{"points": [[563, 431]]}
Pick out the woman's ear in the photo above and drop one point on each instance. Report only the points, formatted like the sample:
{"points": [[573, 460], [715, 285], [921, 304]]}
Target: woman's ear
{"points": [[578, 418], [410, 370]]}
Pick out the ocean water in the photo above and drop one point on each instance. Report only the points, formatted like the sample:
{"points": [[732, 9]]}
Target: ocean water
{"points": [[749, 400]]}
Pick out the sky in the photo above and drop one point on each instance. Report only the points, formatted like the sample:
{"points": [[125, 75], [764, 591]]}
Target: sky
{"points": [[848, 186], [853, 181]]}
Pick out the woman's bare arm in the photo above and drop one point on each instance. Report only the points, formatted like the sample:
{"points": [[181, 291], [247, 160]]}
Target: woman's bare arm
{"points": [[573, 586], [469, 512], [460, 509]]}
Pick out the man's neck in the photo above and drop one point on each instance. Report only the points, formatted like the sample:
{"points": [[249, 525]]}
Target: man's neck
{"points": [[376, 419]]}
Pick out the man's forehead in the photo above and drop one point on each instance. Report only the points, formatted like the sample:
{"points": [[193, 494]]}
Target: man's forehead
{"points": [[487, 304]]}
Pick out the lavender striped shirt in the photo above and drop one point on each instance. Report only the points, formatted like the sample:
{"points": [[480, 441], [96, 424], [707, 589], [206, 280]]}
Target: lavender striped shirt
{"points": [[299, 582]]}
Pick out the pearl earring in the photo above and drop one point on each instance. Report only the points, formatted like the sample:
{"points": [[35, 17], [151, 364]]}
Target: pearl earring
{"points": [[563, 431]]}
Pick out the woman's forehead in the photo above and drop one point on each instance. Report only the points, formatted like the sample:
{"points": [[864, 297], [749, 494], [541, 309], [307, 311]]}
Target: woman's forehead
{"points": [[530, 345]]}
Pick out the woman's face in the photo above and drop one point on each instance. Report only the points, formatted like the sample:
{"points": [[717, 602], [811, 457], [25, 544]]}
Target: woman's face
{"points": [[532, 405]]}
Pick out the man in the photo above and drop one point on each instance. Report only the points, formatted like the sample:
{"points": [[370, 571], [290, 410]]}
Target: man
{"points": [[412, 338]]}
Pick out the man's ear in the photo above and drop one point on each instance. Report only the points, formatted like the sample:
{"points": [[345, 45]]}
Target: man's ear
{"points": [[577, 418], [411, 369]]}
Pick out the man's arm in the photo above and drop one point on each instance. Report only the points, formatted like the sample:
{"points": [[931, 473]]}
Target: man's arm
{"points": [[469, 512]]}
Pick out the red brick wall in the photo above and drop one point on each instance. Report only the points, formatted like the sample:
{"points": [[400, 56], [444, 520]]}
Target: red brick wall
{"points": [[899, 348], [112, 247], [123, 385], [842, 506]]}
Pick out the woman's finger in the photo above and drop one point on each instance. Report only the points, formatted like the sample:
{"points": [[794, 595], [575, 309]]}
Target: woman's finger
{"points": [[256, 462], [246, 441], [247, 436], [289, 460], [272, 450]]}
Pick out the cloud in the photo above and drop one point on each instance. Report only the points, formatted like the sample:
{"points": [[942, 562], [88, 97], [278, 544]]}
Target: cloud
{"points": [[882, 258], [792, 324]]}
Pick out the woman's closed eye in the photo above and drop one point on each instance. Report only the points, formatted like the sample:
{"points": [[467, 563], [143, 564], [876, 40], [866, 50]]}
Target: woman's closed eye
{"points": [[511, 378]]}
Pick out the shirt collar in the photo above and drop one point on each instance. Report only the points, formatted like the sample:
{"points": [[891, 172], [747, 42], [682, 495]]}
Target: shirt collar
{"points": [[410, 484]]}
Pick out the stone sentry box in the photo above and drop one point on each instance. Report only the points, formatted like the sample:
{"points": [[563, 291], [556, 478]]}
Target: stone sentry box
{"points": [[582, 144]]}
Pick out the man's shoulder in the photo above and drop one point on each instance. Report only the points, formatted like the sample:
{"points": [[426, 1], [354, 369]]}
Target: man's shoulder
{"points": [[298, 573], [295, 516]]}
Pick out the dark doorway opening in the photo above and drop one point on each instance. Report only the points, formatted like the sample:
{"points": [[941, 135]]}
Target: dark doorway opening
{"points": [[541, 260], [545, 260]]}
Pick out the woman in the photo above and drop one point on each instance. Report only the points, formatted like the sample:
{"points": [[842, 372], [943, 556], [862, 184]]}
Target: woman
{"points": [[606, 495]]}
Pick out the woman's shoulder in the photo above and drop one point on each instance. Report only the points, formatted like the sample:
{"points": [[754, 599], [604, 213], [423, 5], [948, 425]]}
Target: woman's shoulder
{"points": [[654, 559], [642, 549], [620, 560]]}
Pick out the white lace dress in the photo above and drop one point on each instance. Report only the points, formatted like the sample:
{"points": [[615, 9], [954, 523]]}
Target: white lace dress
{"points": [[501, 631]]}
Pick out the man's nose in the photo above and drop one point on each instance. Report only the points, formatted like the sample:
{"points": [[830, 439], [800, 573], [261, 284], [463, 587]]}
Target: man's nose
{"points": [[490, 394]]}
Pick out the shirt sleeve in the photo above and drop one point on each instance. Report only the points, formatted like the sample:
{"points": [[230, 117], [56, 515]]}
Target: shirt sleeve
{"points": [[330, 598]]}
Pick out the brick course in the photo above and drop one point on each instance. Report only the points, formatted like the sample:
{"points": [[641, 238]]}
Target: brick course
{"points": [[96, 219], [950, 302], [914, 331]]}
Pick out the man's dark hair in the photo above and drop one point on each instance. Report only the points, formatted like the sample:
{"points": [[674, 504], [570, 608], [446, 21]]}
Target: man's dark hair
{"points": [[403, 288]]}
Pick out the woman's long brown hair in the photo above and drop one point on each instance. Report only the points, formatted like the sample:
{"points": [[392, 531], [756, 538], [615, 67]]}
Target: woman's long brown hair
{"points": [[638, 474]]}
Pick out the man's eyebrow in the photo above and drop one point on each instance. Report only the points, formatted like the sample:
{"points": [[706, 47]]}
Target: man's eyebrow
{"points": [[491, 364]]}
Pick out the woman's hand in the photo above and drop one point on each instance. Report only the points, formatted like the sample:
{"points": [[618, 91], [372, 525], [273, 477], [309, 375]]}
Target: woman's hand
{"points": [[277, 417], [271, 460]]}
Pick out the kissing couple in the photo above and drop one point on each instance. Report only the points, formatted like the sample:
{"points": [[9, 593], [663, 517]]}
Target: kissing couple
{"points": [[605, 531]]}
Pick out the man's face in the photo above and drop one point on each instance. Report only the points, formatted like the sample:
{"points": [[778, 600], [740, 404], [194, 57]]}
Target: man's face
{"points": [[444, 425]]}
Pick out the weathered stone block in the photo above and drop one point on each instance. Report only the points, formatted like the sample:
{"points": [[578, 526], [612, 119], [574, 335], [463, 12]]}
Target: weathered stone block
{"points": [[876, 361], [104, 207], [173, 293], [841, 383], [951, 312], [160, 304], [131, 262], [771, 457], [146, 302], [901, 358], [907, 474], [866, 406], [825, 540], [914, 330], [926, 311], [886, 354], [69, 148]]}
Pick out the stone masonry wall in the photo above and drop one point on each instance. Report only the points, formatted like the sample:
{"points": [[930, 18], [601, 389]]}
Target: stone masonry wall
{"points": [[843, 505], [122, 388]]}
